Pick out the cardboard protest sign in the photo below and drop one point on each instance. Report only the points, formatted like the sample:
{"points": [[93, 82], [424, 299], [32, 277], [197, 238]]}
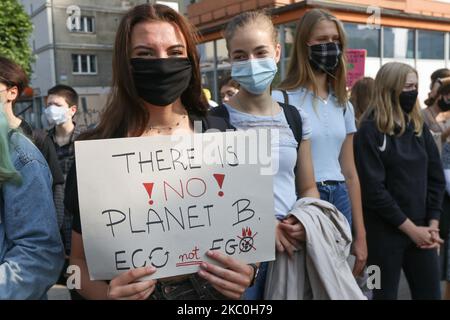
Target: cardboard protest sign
{"points": [[164, 201], [356, 59]]}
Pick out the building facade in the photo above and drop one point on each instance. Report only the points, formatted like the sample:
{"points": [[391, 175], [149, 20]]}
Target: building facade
{"points": [[416, 32], [73, 43]]}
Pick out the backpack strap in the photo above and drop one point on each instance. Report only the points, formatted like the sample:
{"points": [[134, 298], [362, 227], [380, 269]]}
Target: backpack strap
{"points": [[220, 111], [293, 118], [294, 121], [285, 96], [213, 122]]}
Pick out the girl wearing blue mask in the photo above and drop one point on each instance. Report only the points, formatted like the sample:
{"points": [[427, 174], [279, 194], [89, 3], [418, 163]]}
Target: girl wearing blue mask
{"points": [[254, 53], [316, 84]]}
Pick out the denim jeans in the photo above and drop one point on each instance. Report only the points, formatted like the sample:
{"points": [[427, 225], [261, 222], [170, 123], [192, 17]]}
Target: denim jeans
{"points": [[337, 195], [256, 292], [191, 288]]}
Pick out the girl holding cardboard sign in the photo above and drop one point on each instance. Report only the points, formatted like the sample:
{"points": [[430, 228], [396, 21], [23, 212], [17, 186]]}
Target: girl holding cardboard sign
{"points": [[156, 89]]}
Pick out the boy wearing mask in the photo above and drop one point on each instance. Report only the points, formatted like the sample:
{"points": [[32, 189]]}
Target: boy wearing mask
{"points": [[62, 102]]}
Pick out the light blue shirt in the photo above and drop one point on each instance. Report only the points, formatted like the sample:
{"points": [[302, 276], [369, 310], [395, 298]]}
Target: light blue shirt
{"points": [[329, 125], [284, 152]]}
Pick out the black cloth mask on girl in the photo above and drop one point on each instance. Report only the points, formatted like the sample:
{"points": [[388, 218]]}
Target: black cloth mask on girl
{"points": [[408, 100], [161, 81], [325, 56]]}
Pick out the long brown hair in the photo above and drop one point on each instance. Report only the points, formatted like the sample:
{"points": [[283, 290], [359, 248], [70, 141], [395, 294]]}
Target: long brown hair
{"points": [[361, 95], [444, 89], [125, 113], [385, 104], [299, 72]]}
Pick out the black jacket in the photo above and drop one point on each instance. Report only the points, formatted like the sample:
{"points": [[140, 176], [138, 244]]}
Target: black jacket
{"points": [[401, 176]]}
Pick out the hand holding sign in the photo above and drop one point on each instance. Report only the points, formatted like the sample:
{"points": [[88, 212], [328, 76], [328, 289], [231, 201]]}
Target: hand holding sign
{"points": [[230, 280], [125, 287], [151, 201]]}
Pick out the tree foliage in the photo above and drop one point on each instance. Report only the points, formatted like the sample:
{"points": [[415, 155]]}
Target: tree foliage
{"points": [[15, 30]]}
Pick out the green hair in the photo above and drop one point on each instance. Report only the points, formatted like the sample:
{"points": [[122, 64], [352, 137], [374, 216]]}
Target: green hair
{"points": [[7, 171]]}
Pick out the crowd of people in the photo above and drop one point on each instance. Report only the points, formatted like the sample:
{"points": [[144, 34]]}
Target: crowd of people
{"points": [[366, 166]]}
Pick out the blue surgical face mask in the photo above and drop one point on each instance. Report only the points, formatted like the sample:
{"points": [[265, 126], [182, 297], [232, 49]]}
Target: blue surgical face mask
{"points": [[56, 115], [254, 75]]}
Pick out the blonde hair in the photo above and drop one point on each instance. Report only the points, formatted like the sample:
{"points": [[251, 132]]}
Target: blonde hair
{"points": [[385, 104], [299, 72], [260, 18]]}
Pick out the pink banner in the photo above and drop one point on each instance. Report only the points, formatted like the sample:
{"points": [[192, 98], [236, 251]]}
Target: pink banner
{"points": [[356, 59]]}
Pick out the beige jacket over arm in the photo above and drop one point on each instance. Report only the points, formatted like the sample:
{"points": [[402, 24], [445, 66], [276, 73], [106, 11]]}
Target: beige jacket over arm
{"points": [[319, 270]]}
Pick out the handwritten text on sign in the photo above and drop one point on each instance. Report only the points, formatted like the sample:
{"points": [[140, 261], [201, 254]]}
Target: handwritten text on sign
{"points": [[155, 201]]}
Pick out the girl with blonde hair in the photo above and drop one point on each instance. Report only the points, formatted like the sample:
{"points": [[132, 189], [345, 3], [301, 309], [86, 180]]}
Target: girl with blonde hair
{"points": [[402, 185], [316, 84]]}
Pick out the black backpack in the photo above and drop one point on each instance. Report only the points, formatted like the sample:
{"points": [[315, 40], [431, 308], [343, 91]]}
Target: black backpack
{"points": [[212, 121]]}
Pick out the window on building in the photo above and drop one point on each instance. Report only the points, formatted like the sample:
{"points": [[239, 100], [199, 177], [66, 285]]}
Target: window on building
{"points": [[84, 64], [87, 24], [398, 43], [430, 45], [222, 53], [84, 105], [206, 51], [362, 37]]}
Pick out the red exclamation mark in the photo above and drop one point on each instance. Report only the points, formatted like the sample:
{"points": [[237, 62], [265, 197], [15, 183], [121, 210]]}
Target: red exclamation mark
{"points": [[149, 188], [219, 178]]}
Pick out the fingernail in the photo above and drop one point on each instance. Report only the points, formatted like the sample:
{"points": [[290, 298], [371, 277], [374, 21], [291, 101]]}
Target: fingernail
{"points": [[151, 269], [210, 253], [204, 266]]}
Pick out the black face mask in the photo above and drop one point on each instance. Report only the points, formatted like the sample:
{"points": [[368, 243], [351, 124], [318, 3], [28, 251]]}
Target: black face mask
{"points": [[325, 56], [161, 81], [444, 106], [408, 100]]}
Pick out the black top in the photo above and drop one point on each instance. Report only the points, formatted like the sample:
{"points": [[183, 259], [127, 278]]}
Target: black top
{"points": [[71, 191], [43, 142], [401, 176]]}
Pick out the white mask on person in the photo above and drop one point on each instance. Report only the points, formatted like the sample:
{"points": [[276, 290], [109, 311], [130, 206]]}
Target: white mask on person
{"points": [[56, 115]]}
